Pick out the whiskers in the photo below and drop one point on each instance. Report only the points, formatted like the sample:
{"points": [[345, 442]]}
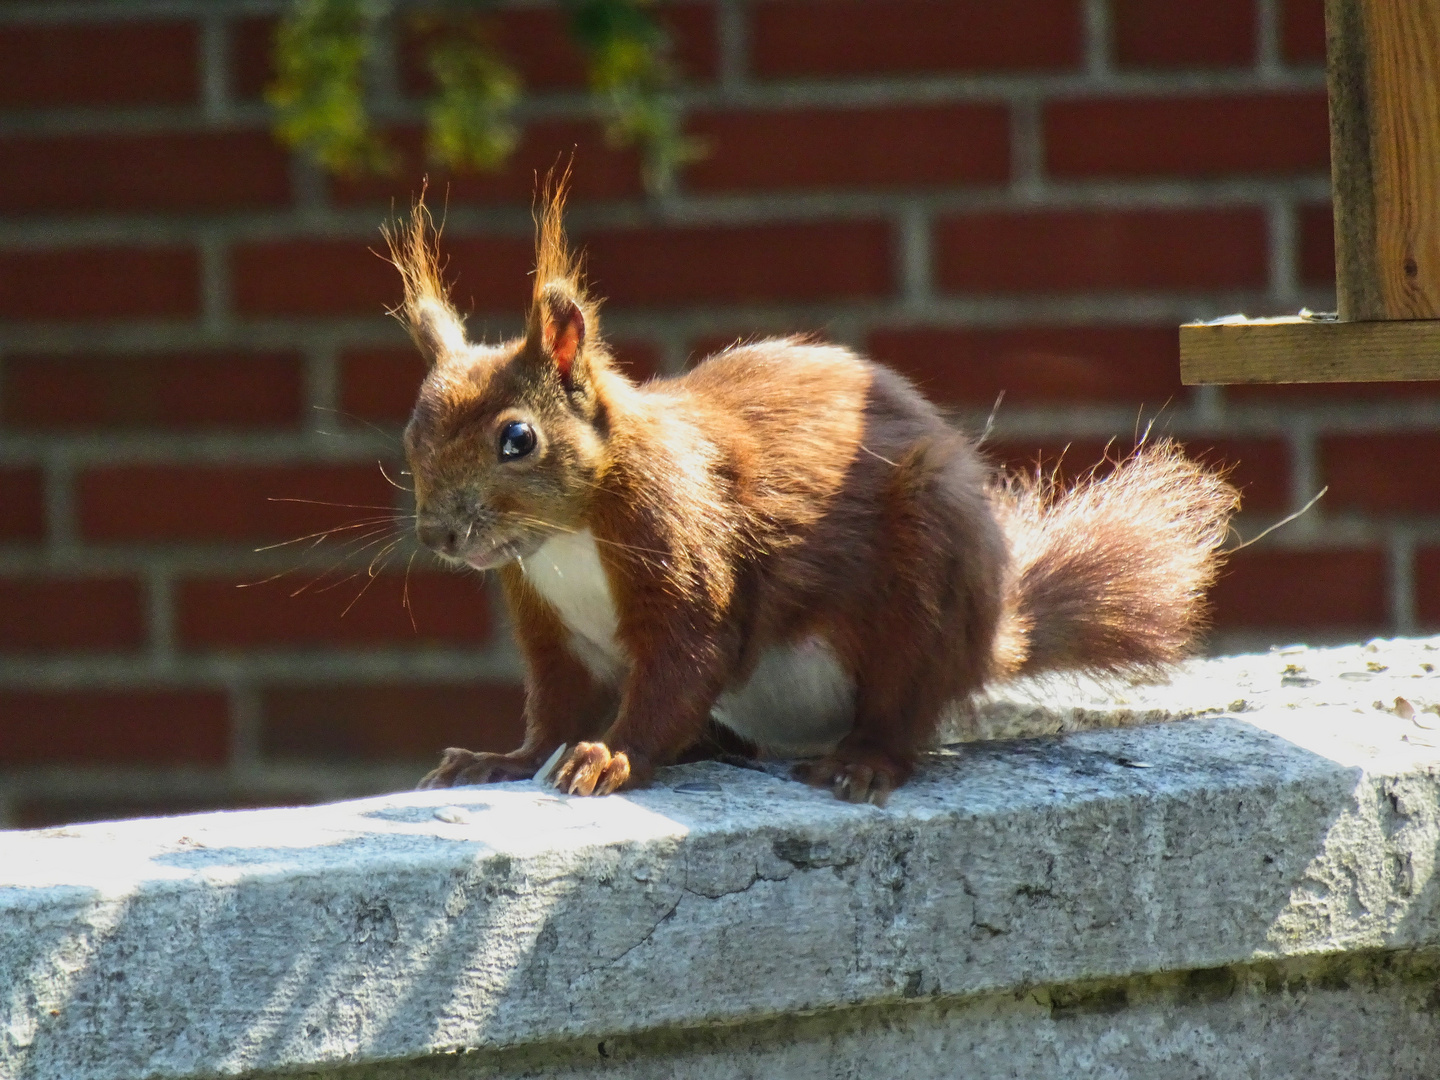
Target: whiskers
{"points": [[633, 550], [360, 549]]}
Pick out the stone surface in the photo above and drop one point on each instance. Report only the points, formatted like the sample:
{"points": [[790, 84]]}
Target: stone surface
{"points": [[1299, 828], [1368, 1016]]}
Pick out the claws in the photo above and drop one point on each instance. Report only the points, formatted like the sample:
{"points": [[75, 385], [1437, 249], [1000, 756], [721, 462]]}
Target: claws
{"points": [[591, 769], [852, 781], [459, 767]]}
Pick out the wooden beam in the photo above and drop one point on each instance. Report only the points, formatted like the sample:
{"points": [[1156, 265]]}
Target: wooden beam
{"points": [[1306, 350], [1383, 61], [1383, 64]]}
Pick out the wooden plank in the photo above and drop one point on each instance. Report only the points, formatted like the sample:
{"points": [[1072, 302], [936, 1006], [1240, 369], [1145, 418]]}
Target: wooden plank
{"points": [[1303, 350], [1384, 75]]}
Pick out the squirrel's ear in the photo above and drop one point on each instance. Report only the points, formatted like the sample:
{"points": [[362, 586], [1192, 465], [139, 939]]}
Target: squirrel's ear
{"points": [[562, 329], [435, 329], [426, 311]]}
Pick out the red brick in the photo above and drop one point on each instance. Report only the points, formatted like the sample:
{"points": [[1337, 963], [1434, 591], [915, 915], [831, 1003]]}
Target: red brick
{"points": [[1047, 364], [600, 171], [389, 723], [240, 613], [99, 283], [640, 360], [1301, 589], [1382, 474], [1164, 34], [1248, 134], [817, 148], [114, 727], [340, 277], [109, 63], [741, 264], [97, 613], [1317, 246], [229, 389], [22, 504], [226, 502], [1259, 467], [228, 170], [380, 384], [801, 38], [252, 53], [1102, 251], [537, 43], [1302, 31]]}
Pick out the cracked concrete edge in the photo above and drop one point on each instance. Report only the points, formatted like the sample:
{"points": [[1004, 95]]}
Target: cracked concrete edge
{"points": [[374, 930], [1075, 1030]]}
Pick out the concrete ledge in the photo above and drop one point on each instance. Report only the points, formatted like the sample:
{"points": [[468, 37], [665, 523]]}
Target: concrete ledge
{"points": [[1179, 896]]}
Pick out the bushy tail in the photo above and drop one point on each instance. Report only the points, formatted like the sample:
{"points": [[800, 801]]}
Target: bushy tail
{"points": [[1109, 576]]}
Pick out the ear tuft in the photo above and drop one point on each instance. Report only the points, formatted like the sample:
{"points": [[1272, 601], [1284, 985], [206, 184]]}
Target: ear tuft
{"points": [[555, 263], [563, 331], [426, 312]]}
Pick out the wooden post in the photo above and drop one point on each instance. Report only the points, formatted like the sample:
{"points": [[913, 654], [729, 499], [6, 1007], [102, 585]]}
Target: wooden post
{"points": [[1384, 80], [1384, 76]]}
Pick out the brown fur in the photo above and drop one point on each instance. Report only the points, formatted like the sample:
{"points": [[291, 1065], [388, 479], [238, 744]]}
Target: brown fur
{"points": [[1110, 576], [779, 493]]}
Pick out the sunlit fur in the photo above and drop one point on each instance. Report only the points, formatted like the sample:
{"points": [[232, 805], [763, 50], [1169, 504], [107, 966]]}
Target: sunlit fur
{"points": [[1110, 576], [780, 498]]}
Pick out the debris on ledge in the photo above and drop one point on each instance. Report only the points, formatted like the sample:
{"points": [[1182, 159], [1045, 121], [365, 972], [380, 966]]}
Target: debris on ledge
{"points": [[1360, 680]]}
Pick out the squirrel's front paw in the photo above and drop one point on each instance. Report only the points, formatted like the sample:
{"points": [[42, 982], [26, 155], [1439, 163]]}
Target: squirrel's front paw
{"points": [[591, 769], [459, 766]]}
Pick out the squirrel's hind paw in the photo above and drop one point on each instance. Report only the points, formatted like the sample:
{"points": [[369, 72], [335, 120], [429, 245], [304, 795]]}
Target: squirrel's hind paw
{"points": [[868, 777]]}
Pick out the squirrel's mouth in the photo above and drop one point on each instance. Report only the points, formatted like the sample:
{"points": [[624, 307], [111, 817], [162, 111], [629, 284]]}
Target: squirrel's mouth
{"points": [[496, 555]]}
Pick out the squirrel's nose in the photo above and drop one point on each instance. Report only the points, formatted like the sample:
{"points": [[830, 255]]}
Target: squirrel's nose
{"points": [[438, 537]]}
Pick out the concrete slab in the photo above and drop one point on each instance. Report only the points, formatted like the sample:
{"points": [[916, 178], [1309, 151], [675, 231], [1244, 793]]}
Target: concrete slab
{"points": [[508, 920]]}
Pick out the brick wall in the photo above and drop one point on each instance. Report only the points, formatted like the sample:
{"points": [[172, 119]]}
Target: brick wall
{"points": [[1024, 196]]}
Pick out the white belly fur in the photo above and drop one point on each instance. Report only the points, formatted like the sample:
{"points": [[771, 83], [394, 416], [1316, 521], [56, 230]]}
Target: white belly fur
{"points": [[567, 572], [799, 700]]}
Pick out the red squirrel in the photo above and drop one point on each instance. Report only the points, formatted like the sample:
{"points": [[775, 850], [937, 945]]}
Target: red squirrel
{"points": [[787, 541]]}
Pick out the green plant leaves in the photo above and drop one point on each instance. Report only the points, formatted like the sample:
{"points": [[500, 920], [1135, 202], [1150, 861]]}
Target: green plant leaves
{"points": [[325, 51]]}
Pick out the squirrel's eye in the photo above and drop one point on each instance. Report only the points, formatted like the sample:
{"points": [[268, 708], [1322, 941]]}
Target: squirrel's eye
{"points": [[517, 439]]}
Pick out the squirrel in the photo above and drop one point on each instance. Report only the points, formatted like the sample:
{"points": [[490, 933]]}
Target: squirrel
{"points": [[787, 545]]}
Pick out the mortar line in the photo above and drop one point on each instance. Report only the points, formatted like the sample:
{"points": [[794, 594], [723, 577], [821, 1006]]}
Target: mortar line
{"points": [[160, 613], [246, 722], [1098, 45], [1268, 62], [1304, 478], [1027, 149], [215, 66], [59, 495], [734, 32], [1400, 566], [322, 388], [1209, 406], [214, 283], [1281, 236], [915, 256]]}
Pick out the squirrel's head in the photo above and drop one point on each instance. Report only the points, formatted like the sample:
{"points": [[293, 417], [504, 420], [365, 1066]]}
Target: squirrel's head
{"points": [[507, 442]]}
